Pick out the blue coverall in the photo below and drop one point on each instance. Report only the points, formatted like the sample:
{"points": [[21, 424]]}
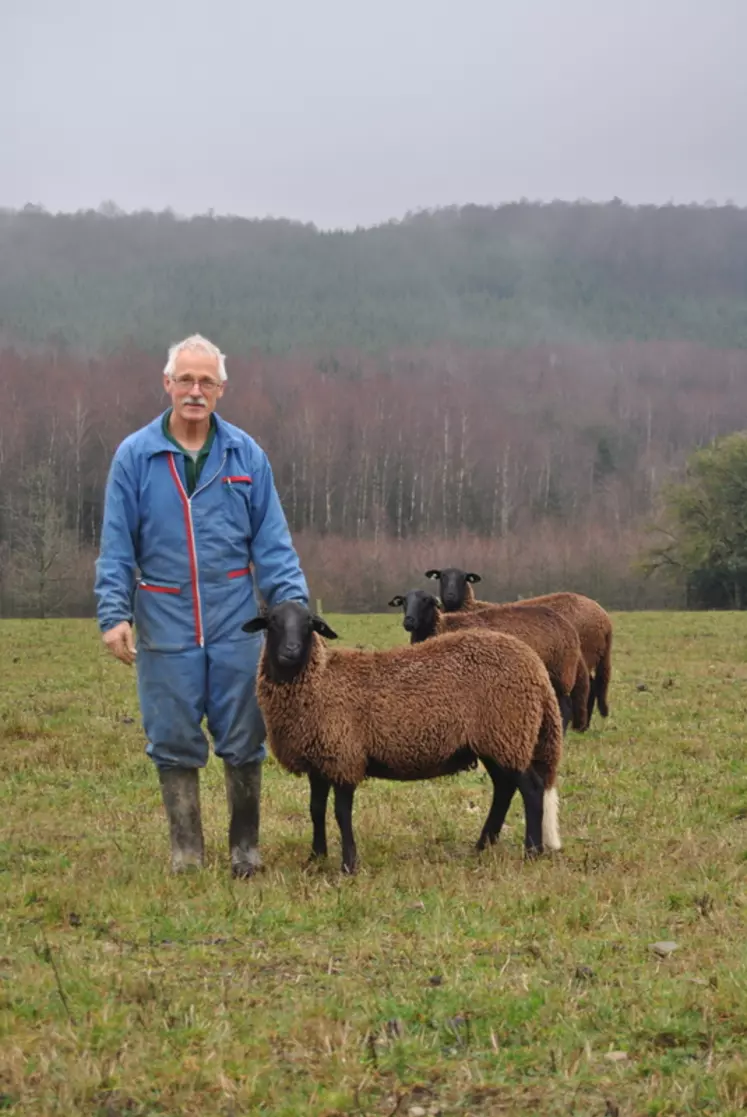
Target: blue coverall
{"points": [[181, 568]]}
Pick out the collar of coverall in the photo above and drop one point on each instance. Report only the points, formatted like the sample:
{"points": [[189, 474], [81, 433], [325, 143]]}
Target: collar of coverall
{"points": [[156, 441]]}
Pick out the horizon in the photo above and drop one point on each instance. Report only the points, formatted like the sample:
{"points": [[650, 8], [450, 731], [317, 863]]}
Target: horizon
{"points": [[110, 209]]}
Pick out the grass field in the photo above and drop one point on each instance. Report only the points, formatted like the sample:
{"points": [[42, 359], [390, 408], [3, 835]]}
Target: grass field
{"points": [[437, 981]]}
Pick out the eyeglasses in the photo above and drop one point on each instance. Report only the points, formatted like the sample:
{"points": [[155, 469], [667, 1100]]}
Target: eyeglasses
{"points": [[204, 383]]}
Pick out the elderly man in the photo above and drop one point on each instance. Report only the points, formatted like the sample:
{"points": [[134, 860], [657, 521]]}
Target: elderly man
{"points": [[190, 510]]}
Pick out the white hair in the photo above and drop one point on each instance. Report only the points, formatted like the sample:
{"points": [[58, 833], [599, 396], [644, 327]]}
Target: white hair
{"points": [[195, 343]]}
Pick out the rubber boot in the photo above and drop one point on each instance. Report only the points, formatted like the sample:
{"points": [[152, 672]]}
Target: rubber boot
{"points": [[243, 786], [180, 788]]}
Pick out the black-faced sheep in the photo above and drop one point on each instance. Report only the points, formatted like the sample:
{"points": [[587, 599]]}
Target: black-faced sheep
{"points": [[409, 713], [455, 588], [591, 621], [552, 637]]}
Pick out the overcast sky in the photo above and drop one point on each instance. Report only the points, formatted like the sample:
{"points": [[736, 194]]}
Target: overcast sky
{"points": [[347, 112]]}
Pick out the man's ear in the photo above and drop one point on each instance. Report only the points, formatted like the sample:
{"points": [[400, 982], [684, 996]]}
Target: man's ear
{"points": [[255, 625], [323, 628], [473, 578], [396, 601], [433, 574]]}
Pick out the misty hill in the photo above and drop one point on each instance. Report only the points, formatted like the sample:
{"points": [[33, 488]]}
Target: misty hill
{"points": [[516, 275]]}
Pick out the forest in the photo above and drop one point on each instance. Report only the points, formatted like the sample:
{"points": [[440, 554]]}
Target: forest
{"points": [[475, 276], [506, 389]]}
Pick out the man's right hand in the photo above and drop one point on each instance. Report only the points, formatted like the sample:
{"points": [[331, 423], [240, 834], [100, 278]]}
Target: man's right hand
{"points": [[120, 643]]}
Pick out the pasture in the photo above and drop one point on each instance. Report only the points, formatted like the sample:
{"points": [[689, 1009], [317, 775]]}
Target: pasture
{"points": [[437, 981]]}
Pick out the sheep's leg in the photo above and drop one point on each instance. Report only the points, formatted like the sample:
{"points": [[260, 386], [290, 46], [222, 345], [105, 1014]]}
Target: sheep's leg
{"points": [[564, 705], [319, 794], [566, 710], [592, 696], [532, 791], [504, 786], [344, 793]]}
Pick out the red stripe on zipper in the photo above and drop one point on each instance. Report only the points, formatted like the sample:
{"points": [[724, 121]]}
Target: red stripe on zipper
{"points": [[158, 589], [239, 573], [244, 477], [191, 547]]}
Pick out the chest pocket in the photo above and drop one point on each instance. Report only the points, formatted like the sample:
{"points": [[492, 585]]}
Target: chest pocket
{"points": [[236, 501]]}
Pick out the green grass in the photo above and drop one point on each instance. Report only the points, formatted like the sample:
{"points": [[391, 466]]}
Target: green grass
{"points": [[436, 980]]}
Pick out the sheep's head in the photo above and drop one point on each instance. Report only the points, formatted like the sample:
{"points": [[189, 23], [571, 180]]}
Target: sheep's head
{"points": [[453, 585], [290, 627], [421, 613]]}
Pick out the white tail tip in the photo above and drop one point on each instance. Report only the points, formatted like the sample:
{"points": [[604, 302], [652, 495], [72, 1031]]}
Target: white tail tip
{"points": [[550, 828]]}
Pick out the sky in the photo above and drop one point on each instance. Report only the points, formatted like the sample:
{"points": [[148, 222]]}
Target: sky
{"points": [[354, 112]]}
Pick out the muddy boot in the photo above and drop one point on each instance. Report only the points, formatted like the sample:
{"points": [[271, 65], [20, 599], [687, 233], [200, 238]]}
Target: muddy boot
{"points": [[180, 788], [243, 786]]}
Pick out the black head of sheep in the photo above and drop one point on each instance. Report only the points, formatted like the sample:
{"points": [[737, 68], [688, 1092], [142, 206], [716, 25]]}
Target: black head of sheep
{"points": [[453, 585], [289, 626], [421, 613]]}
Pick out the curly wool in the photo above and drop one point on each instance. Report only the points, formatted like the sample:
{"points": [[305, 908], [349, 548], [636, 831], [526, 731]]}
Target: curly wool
{"points": [[554, 640], [551, 636], [417, 712], [471, 603], [591, 622], [594, 628]]}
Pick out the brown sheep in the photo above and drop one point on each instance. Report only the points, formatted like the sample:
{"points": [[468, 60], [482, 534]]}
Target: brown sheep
{"points": [[409, 713], [552, 637], [590, 620]]}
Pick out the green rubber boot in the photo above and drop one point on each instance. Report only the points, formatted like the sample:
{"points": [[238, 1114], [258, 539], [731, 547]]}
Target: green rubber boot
{"points": [[180, 788], [243, 787]]}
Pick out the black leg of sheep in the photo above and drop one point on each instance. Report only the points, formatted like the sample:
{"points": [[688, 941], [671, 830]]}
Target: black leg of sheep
{"points": [[344, 814], [566, 710], [532, 791], [505, 782], [592, 695], [320, 786]]}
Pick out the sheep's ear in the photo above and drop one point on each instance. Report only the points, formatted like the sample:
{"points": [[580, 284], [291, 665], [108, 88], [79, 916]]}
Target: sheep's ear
{"points": [[433, 574], [396, 601], [473, 578], [255, 625], [323, 628]]}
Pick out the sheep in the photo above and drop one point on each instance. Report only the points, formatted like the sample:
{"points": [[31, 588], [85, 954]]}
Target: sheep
{"points": [[409, 713], [456, 591], [552, 637], [590, 620]]}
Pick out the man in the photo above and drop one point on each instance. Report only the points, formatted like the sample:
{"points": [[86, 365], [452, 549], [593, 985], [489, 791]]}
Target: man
{"points": [[190, 508]]}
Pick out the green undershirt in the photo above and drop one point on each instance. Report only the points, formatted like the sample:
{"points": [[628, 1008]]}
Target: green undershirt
{"points": [[194, 460]]}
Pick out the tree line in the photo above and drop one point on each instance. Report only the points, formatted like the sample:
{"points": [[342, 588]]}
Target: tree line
{"points": [[542, 467]]}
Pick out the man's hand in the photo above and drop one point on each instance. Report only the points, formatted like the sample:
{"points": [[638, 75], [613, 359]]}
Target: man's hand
{"points": [[120, 643]]}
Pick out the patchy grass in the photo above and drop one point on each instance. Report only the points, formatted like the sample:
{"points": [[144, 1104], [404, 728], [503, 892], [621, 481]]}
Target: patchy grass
{"points": [[437, 980]]}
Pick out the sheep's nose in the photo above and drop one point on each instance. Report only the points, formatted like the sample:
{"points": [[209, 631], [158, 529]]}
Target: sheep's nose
{"points": [[292, 651], [409, 624]]}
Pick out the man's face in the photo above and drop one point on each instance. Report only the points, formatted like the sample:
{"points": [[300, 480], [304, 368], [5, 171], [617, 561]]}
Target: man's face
{"points": [[194, 387]]}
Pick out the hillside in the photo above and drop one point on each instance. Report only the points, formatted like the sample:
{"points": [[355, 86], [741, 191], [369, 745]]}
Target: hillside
{"points": [[517, 275]]}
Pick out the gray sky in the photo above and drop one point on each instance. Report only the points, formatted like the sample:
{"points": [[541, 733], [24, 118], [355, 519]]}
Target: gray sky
{"points": [[346, 112]]}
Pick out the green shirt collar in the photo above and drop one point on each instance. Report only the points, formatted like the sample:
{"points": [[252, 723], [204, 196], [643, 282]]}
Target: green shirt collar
{"points": [[192, 466]]}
